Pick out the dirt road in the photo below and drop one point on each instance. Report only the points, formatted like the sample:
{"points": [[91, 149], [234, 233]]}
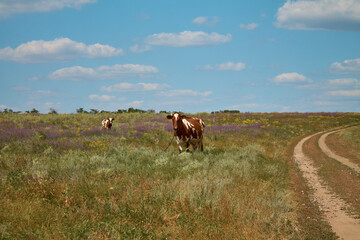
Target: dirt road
{"points": [[333, 207]]}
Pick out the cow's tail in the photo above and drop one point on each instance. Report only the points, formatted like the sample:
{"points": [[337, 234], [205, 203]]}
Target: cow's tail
{"points": [[202, 124]]}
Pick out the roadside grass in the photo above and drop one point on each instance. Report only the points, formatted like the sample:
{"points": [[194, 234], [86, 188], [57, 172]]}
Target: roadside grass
{"points": [[63, 178], [352, 136], [350, 140]]}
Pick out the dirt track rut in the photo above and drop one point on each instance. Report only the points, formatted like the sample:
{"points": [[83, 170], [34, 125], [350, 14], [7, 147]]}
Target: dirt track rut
{"points": [[344, 225]]}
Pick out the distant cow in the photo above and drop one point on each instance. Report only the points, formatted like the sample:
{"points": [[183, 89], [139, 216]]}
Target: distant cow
{"points": [[107, 123], [189, 130]]}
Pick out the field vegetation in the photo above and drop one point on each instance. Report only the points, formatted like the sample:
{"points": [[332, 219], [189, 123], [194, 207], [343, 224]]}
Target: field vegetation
{"points": [[351, 139], [62, 177]]}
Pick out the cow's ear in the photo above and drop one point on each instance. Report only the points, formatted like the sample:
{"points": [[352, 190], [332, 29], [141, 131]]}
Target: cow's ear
{"points": [[183, 116], [169, 117], [113, 119]]}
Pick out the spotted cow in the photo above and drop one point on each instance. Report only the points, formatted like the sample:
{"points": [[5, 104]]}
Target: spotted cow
{"points": [[107, 123], [189, 130]]}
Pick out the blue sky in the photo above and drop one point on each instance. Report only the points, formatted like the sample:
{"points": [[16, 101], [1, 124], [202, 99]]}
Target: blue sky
{"points": [[190, 56]]}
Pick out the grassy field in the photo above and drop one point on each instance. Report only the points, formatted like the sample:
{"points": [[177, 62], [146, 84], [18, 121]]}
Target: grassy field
{"points": [[64, 178]]}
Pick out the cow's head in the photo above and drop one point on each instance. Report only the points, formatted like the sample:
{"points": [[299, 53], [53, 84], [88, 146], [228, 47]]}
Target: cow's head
{"points": [[176, 120], [109, 124]]}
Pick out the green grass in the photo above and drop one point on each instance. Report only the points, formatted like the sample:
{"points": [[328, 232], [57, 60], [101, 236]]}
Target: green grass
{"points": [[147, 191], [120, 184]]}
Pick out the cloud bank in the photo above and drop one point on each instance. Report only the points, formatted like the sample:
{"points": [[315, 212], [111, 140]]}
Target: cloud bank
{"points": [[60, 49], [125, 87], [344, 82], [11, 7], [187, 38], [228, 66], [250, 26], [290, 78], [102, 97], [208, 21], [348, 66], [343, 15], [105, 72], [345, 93], [139, 49]]}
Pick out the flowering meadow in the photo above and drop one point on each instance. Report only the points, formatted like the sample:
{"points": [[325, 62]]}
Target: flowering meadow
{"points": [[63, 177]]}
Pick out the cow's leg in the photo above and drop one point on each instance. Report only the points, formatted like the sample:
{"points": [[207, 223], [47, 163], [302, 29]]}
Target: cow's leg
{"points": [[201, 146], [195, 146], [187, 146], [179, 144]]}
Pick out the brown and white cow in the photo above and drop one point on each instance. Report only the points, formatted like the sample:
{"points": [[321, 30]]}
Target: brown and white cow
{"points": [[107, 123], [189, 130]]}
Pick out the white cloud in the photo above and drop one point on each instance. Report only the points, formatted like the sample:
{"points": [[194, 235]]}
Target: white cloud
{"points": [[184, 93], [139, 49], [117, 87], [123, 87], [105, 72], [35, 78], [345, 82], [135, 103], [152, 86], [348, 66], [320, 14], [73, 73], [10, 7], [250, 26], [187, 38], [345, 93], [202, 20], [102, 97], [60, 49], [228, 66], [290, 78]]}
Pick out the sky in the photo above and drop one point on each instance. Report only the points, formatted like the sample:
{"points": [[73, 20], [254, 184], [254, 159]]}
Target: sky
{"points": [[189, 56]]}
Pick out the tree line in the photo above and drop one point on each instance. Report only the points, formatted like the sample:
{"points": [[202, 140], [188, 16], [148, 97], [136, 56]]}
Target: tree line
{"points": [[82, 110], [96, 111]]}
